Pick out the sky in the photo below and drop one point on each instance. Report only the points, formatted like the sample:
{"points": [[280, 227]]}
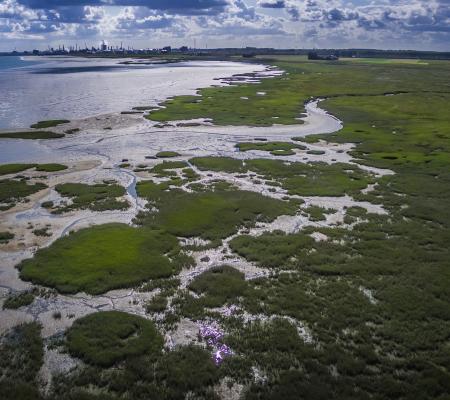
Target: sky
{"points": [[383, 24]]}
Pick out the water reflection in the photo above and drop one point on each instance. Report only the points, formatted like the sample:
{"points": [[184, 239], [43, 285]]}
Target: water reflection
{"points": [[77, 88]]}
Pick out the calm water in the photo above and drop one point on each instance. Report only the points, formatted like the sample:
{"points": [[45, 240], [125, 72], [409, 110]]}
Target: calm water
{"points": [[39, 88], [15, 62]]}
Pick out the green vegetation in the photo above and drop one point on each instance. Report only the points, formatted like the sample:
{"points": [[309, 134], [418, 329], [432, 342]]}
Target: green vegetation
{"points": [[157, 304], [189, 369], [269, 146], [313, 179], [44, 232], [13, 191], [209, 215], [102, 258], [286, 95], [362, 314], [218, 164], [219, 285], [273, 250], [165, 169], [316, 152], [185, 372], [318, 213], [22, 357], [282, 153], [50, 167], [15, 168], [16, 301], [98, 197], [167, 154], [31, 135], [5, 237], [47, 204], [104, 338], [49, 123]]}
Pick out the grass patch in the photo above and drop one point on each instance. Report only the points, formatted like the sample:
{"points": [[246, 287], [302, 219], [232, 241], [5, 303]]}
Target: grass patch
{"points": [[15, 301], [167, 154], [209, 215], [43, 232], [105, 338], [157, 304], [31, 135], [51, 167], [22, 357], [268, 146], [102, 258], [313, 179], [283, 153], [13, 191], [98, 197], [318, 213], [219, 285], [316, 152], [14, 168], [272, 250], [5, 237], [49, 123], [218, 164]]}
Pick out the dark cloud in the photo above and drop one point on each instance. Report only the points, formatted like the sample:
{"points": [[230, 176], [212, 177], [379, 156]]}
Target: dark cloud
{"points": [[272, 4], [187, 7]]}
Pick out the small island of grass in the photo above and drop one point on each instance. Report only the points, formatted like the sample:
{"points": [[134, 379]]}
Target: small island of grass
{"points": [[31, 135], [105, 338], [167, 154], [269, 146], [102, 258], [8, 169], [49, 123]]}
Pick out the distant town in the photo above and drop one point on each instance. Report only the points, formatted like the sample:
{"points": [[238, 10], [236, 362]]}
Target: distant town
{"points": [[105, 50]]}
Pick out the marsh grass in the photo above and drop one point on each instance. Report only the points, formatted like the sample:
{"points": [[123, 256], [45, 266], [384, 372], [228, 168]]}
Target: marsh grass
{"points": [[98, 197], [49, 123], [22, 357], [5, 237], [15, 301], [167, 154], [13, 191], [16, 168], [105, 338], [50, 167], [218, 286], [209, 215], [312, 179], [105, 257], [318, 213], [269, 146], [31, 135]]}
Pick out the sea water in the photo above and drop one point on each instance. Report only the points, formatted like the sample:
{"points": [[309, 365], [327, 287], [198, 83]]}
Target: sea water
{"points": [[41, 88]]}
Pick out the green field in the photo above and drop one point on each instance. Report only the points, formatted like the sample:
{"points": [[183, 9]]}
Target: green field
{"points": [[106, 338], [97, 197], [209, 215], [362, 314], [13, 191], [102, 258], [7, 169]]}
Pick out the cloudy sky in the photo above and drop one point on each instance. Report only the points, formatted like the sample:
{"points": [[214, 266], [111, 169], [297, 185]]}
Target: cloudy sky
{"points": [[397, 24]]}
